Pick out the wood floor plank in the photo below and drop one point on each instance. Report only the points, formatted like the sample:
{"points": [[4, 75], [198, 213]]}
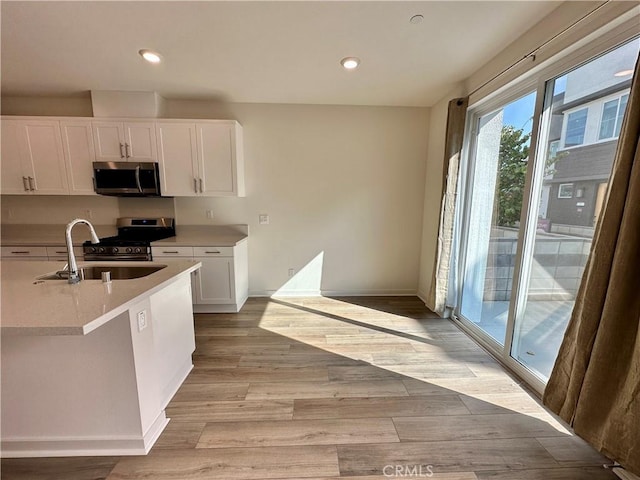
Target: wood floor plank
{"points": [[295, 390], [180, 435], [298, 432], [69, 468], [208, 350], [572, 450], [469, 455], [257, 374], [586, 473], [193, 392], [473, 427], [224, 411], [312, 359], [464, 386], [216, 361], [435, 476], [230, 464], [487, 403], [378, 407], [422, 358]]}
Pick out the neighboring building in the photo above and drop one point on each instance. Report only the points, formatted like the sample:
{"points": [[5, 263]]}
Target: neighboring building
{"points": [[586, 121]]}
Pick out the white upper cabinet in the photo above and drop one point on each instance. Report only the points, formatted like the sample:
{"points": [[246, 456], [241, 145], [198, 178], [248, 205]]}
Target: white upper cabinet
{"points": [[13, 179], [79, 155], [178, 159], [124, 141], [33, 160], [201, 158]]}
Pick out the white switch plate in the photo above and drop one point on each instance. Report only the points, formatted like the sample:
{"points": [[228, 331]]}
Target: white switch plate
{"points": [[210, 214], [292, 272], [142, 320], [264, 219]]}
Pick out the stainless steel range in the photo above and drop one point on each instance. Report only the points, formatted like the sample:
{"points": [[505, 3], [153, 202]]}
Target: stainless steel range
{"points": [[133, 242]]}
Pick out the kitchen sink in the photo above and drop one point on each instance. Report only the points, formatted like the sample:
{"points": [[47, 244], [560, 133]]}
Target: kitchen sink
{"points": [[118, 272]]}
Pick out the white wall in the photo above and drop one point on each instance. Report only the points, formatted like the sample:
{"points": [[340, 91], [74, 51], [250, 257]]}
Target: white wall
{"points": [[344, 181]]}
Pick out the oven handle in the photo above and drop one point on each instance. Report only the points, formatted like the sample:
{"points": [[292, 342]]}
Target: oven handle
{"points": [[138, 178], [109, 258]]}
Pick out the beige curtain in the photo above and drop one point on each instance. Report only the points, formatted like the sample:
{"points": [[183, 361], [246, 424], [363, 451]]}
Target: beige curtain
{"points": [[437, 298], [595, 383]]}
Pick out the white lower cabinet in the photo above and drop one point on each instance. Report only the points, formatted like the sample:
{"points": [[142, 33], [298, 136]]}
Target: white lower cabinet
{"points": [[222, 284], [39, 253]]}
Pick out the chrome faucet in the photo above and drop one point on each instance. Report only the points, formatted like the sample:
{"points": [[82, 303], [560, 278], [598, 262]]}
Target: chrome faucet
{"points": [[74, 277]]}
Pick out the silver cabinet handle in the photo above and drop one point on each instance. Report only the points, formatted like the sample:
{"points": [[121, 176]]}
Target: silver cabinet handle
{"points": [[25, 183], [21, 251], [195, 184], [138, 178], [212, 252], [169, 251], [31, 184], [126, 150], [200, 185], [121, 150]]}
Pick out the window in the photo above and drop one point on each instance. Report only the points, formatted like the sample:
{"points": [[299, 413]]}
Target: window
{"points": [[576, 124], [565, 190], [612, 116], [525, 227]]}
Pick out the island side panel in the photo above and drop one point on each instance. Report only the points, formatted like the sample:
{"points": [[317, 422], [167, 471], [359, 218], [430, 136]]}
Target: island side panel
{"points": [[67, 395], [173, 336]]}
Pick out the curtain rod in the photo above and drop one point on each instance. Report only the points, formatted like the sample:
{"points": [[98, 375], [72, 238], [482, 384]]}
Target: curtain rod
{"points": [[532, 53]]}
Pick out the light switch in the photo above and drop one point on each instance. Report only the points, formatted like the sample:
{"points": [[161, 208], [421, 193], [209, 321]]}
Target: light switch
{"points": [[264, 219]]}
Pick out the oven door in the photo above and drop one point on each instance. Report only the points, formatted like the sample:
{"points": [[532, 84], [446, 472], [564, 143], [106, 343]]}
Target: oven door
{"points": [[127, 179]]}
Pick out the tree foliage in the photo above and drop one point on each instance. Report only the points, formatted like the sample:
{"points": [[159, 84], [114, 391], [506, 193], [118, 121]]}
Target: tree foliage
{"points": [[513, 156]]}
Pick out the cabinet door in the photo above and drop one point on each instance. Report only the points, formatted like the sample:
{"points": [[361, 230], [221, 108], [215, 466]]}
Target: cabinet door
{"points": [[216, 159], [177, 159], [45, 157], [214, 281], [79, 155], [109, 141], [140, 142], [13, 178]]}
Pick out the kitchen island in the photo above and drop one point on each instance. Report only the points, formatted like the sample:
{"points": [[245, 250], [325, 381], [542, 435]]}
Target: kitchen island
{"points": [[88, 369]]}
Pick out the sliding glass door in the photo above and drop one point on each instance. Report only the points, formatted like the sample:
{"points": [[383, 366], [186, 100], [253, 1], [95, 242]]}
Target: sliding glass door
{"points": [[530, 210]]}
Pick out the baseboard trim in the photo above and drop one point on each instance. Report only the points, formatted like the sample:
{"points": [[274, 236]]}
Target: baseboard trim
{"points": [[85, 447], [334, 293]]}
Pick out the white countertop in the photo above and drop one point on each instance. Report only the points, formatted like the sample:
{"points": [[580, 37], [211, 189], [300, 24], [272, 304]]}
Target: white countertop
{"points": [[186, 235], [203, 236], [52, 235], [55, 307]]}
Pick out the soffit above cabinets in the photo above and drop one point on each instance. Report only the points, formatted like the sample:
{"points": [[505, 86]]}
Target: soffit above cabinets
{"points": [[262, 52]]}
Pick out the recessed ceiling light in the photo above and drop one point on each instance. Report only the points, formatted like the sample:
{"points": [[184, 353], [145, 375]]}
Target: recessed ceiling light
{"points": [[150, 56], [350, 63], [416, 19], [623, 73]]}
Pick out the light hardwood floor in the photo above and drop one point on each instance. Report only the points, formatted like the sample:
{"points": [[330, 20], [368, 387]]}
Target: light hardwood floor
{"points": [[351, 388]]}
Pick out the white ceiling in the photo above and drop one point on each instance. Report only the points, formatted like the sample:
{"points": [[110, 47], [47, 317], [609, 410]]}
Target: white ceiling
{"points": [[264, 52]]}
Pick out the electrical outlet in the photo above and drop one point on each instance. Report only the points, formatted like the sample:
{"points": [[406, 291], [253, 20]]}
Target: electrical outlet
{"points": [[292, 272], [142, 320], [264, 219], [210, 214]]}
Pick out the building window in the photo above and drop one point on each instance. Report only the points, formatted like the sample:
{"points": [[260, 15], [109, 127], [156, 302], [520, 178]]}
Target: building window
{"points": [[565, 190], [612, 116], [576, 124]]}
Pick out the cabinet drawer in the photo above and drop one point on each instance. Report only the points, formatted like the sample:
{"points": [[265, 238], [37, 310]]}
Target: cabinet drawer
{"points": [[61, 252], [213, 251], [21, 251], [157, 252]]}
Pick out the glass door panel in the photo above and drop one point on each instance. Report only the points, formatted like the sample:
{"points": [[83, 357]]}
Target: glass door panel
{"points": [[586, 112], [495, 189]]}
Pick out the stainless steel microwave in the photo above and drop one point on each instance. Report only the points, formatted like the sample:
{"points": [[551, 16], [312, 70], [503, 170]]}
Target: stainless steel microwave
{"points": [[127, 179]]}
